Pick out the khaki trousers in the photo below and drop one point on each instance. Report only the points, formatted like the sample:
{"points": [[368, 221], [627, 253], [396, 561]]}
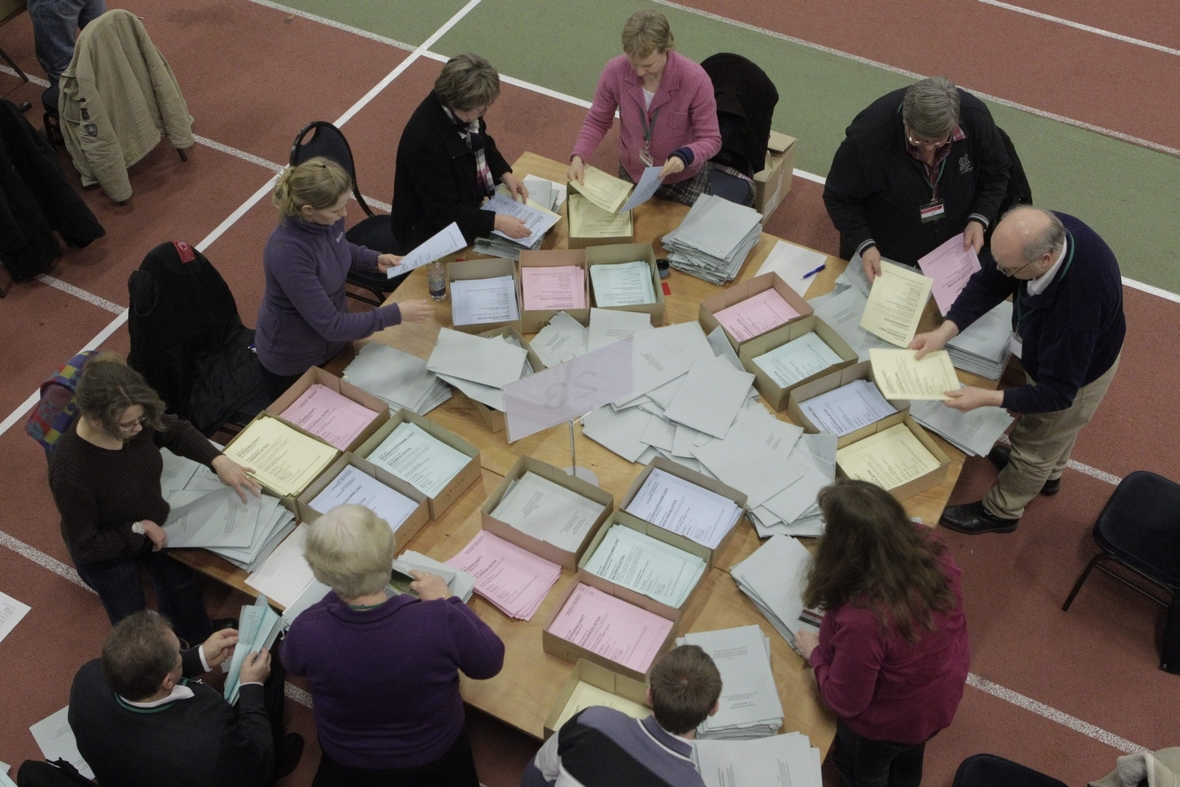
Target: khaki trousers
{"points": [[1041, 445]]}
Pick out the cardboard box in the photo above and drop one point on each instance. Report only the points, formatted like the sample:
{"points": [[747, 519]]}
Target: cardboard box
{"points": [[487, 268], [575, 241], [629, 252], [623, 519], [701, 480], [744, 291], [538, 547], [404, 532], [463, 479], [775, 395], [533, 320], [774, 181], [495, 420], [800, 394], [289, 501], [922, 483], [316, 375], [599, 677], [564, 649]]}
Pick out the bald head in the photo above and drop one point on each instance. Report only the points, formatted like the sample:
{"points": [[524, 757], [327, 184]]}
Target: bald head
{"points": [[1028, 236]]}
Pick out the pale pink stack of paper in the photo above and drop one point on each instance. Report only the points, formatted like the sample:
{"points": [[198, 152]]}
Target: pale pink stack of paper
{"points": [[754, 316], [513, 579], [611, 627], [555, 287], [332, 417]]}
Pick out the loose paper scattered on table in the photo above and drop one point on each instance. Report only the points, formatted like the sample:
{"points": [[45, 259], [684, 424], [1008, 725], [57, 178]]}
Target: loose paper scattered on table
{"points": [[397, 377], [483, 360], [561, 339], [285, 574], [791, 262]]}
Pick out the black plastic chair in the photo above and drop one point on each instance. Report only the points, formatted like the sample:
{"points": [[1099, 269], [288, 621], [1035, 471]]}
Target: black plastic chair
{"points": [[375, 231], [988, 770], [746, 98], [1139, 529]]}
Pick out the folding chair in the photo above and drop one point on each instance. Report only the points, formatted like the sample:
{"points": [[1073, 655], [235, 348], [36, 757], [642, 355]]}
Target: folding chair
{"points": [[988, 770]]}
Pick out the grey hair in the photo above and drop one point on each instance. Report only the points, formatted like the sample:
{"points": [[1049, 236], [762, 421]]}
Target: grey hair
{"points": [[467, 82], [931, 108], [350, 549], [1048, 241]]}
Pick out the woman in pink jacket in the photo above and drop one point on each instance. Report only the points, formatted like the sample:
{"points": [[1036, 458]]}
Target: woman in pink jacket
{"points": [[667, 113]]}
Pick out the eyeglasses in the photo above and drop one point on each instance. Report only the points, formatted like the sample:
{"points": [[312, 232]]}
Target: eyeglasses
{"points": [[131, 426], [921, 143], [1014, 271]]}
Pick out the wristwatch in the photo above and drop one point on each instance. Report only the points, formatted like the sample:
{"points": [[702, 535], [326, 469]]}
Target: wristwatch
{"points": [[138, 529]]}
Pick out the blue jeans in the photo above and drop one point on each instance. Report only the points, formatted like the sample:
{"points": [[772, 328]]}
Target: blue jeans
{"points": [[55, 26], [118, 584]]}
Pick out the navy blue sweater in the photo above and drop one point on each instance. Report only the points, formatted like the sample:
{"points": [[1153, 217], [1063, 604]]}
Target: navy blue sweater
{"points": [[1072, 332]]}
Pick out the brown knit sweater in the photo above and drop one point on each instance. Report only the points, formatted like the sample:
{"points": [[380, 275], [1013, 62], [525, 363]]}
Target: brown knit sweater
{"points": [[100, 493]]}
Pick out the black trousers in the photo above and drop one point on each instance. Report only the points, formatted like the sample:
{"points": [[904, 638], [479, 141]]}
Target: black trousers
{"points": [[863, 762], [456, 768], [276, 384]]}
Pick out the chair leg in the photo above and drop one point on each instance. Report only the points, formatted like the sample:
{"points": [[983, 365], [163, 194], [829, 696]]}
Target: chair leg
{"points": [[1082, 580], [19, 71], [362, 298], [182, 156]]}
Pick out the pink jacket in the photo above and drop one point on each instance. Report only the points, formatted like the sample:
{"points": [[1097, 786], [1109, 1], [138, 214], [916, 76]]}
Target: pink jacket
{"points": [[688, 115]]}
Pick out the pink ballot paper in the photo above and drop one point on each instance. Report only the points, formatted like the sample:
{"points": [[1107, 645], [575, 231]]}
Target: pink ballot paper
{"points": [[753, 316], [556, 287], [611, 627], [950, 267], [513, 579], [332, 417]]}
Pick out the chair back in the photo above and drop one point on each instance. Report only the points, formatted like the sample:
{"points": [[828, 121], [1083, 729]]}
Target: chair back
{"points": [[988, 770], [327, 141], [57, 409], [746, 98], [1140, 524]]}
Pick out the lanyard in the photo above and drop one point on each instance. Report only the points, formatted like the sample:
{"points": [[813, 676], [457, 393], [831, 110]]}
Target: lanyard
{"points": [[648, 126], [1020, 313], [934, 179]]}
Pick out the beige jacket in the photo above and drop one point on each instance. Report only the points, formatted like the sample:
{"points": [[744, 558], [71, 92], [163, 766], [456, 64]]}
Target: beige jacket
{"points": [[117, 97]]}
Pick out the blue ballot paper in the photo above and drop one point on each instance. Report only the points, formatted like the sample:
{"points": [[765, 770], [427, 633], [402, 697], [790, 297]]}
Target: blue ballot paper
{"points": [[258, 628]]}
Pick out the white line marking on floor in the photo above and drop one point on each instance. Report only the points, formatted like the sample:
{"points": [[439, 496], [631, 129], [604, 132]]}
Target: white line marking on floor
{"points": [[43, 560], [292, 691], [1087, 28], [1093, 472], [336, 25], [78, 292], [1052, 714], [36, 80], [243, 155]]}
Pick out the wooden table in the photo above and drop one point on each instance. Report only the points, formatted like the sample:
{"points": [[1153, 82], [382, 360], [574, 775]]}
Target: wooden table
{"points": [[525, 691]]}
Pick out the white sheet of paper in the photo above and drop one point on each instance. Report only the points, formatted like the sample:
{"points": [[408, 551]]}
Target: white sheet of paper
{"points": [[748, 693], [744, 461], [353, 486], [556, 191], [215, 519], [685, 508], [622, 284], [778, 760], [842, 312], [419, 459], [645, 189], [446, 241], [977, 430], [538, 221], [561, 339], [56, 741], [791, 262], [476, 358], [798, 359], [619, 432], [478, 301], [285, 574], [710, 397], [608, 326], [11, 612], [847, 408]]}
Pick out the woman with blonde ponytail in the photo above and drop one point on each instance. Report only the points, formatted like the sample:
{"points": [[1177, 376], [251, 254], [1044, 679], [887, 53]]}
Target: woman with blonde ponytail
{"points": [[304, 319]]}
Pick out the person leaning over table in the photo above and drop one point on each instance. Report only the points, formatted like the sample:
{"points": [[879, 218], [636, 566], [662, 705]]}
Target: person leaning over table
{"points": [[447, 164], [667, 112], [139, 720], [303, 319], [105, 480], [1068, 328], [916, 167], [603, 747], [384, 669], [892, 656]]}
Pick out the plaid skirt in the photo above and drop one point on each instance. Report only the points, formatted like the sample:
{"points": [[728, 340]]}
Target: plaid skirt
{"points": [[686, 191]]}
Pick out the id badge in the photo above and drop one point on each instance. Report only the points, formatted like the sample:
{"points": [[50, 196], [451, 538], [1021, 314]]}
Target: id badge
{"points": [[932, 211], [1015, 344], [645, 157]]}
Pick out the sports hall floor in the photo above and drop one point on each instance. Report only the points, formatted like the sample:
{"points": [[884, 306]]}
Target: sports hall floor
{"points": [[1085, 88]]}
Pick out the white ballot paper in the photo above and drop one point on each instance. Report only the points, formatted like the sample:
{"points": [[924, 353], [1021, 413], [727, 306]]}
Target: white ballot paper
{"points": [[973, 432], [622, 284], [285, 574], [745, 461], [777, 761], [353, 486], [11, 612], [548, 511], [560, 340], [545, 192], [791, 262], [608, 326], [537, 221], [478, 301], [213, 519], [797, 360], [646, 565], [648, 184], [847, 408], [710, 397], [750, 705], [841, 311], [773, 577], [477, 358], [56, 741], [422, 461], [685, 508], [446, 241]]}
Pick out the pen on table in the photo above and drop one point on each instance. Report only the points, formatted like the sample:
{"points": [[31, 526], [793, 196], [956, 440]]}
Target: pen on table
{"points": [[809, 274]]}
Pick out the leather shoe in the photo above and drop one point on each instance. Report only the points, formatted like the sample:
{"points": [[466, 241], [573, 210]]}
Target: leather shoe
{"points": [[288, 756], [999, 455], [973, 518]]}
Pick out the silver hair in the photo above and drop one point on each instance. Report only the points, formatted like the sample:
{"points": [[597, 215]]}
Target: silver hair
{"points": [[931, 108]]}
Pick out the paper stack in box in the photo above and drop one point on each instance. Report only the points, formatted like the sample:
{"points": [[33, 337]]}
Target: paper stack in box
{"points": [[714, 239], [514, 580], [495, 246], [983, 348], [773, 578], [787, 759], [749, 703], [646, 565], [397, 377], [479, 366]]}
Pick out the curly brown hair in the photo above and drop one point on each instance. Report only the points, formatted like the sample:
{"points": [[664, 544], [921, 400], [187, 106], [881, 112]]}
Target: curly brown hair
{"points": [[871, 555]]}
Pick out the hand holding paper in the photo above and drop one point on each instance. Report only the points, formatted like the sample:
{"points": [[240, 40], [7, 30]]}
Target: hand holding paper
{"points": [[900, 375], [449, 240]]}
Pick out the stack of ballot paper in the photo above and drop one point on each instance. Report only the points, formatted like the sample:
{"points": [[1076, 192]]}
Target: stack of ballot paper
{"points": [[714, 239], [586, 695], [788, 759], [460, 582], [794, 511], [353, 486], [622, 284], [684, 508], [480, 301], [842, 310], [207, 514], [514, 580], [538, 219], [773, 578], [553, 287], [845, 409], [285, 574], [547, 511], [258, 628], [281, 458], [562, 339], [974, 433], [755, 316], [797, 360], [496, 246], [750, 705], [330, 416], [611, 628], [646, 565], [399, 378], [984, 347], [546, 193], [888, 459], [479, 366], [413, 455]]}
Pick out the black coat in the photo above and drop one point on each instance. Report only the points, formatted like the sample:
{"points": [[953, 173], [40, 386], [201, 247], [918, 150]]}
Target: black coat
{"points": [[435, 180], [35, 200], [875, 187], [746, 99]]}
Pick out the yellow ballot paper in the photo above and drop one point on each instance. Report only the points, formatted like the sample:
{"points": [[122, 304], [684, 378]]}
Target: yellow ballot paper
{"points": [[587, 220], [282, 459], [888, 459], [895, 304], [605, 191], [900, 376], [586, 695]]}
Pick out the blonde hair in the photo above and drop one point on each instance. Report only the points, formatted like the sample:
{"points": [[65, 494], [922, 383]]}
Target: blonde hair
{"points": [[646, 32], [109, 386], [467, 82], [350, 549], [318, 182]]}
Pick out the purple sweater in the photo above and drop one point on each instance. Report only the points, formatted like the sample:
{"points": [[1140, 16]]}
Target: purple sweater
{"points": [[385, 681], [304, 320]]}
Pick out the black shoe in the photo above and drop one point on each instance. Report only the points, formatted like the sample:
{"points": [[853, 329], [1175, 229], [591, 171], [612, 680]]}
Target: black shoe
{"points": [[998, 456], [973, 518], [288, 756]]}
